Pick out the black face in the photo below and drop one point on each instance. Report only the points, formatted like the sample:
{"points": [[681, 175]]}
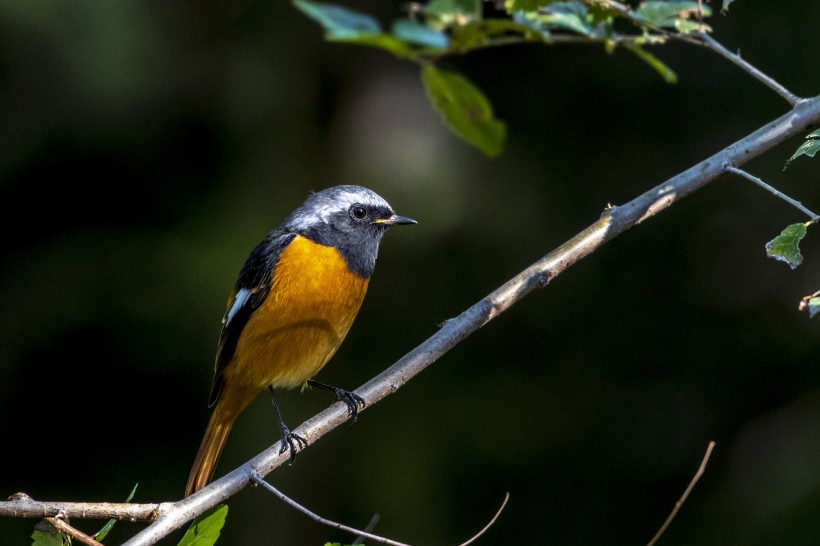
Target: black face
{"points": [[354, 234]]}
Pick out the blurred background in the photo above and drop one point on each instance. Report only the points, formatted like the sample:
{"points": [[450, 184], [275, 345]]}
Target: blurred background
{"points": [[145, 147]]}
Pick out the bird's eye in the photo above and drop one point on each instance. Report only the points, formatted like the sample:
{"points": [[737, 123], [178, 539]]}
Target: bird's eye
{"points": [[358, 212]]}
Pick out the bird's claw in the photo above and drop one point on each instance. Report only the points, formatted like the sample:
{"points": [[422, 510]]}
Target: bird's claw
{"points": [[292, 442]]}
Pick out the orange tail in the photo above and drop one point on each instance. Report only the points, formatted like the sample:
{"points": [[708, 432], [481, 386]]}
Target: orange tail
{"points": [[232, 400], [210, 449]]}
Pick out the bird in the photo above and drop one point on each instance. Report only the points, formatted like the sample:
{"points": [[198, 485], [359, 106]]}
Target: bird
{"points": [[294, 302]]}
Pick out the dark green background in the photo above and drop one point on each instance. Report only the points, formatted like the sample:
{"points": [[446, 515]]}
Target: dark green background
{"points": [[145, 147]]}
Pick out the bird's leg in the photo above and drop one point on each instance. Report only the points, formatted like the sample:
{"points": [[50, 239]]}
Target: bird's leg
{"points": [[353, 401], [291, 441]]}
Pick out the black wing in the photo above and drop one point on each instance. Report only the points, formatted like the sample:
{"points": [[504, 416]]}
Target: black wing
{"points": [[251, 290]]}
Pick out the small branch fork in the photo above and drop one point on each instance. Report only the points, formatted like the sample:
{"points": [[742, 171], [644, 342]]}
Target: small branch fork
{"points": [[256, 479]]}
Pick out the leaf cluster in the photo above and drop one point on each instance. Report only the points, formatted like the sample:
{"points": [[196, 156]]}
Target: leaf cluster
{"points": [[440, 28]]}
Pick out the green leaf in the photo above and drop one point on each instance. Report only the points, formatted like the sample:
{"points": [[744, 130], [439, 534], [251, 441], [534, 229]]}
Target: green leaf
{"points": [[478, 33], [450, 12], [525, 5], [811, 304], [100, 535], [205, 529], [660, 67], [808, 148], [725, 7], [572, 16], [338, 22], [785, 247], [420, 34], [464, 109], [671, 14], [45, 538], [344, 25]]}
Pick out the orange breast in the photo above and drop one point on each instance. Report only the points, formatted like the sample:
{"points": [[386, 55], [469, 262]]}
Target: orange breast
{"points": [[311, 306]]}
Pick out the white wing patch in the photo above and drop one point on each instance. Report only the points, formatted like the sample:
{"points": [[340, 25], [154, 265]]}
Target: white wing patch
{"points": [[238, 303]]}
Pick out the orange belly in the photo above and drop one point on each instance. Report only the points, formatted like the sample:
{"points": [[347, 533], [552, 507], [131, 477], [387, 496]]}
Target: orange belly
{"points": [[311, 305]]}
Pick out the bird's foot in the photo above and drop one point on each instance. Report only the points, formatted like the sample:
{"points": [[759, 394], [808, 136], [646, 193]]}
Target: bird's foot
{"points": [[353, 401], [292, 442]]}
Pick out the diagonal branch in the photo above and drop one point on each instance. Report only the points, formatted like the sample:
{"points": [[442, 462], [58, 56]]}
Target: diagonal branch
{"points": [[612, 223]]}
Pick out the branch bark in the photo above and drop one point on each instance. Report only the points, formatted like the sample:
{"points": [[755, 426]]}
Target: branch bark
{"points": [[613, 222], [169, 516], [21, 505]]}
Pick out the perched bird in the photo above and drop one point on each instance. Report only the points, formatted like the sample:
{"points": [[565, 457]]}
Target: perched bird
{"points": [[293, 304]]}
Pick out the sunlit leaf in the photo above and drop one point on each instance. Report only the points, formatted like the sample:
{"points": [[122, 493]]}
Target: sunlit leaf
{"points": [[572, 16], [45, 538], [786, 246], [525, 5], [670, 14], [464, 108], [338, 22], [454, 11], [478, 33], [345, 25], [420, 34], [205, 529], [808, 148]]}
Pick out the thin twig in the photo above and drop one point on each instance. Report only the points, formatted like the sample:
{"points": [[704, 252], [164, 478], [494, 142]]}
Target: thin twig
{"points": [[777, 193], [718, 48], [366, 534], [676, 509], [324, 521], [490, 523], [61, 525]]}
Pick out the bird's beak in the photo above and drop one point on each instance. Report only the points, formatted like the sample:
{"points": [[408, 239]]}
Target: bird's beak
{"points": [[394, 220]]}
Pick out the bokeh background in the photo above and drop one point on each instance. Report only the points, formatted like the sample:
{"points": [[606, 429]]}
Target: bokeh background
{"points": [[145, 147]]}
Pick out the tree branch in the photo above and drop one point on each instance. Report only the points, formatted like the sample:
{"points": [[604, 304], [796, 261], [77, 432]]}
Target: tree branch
{"points": [[21, 505], [616, 220], [777, 193], [718, 48], [613, 222], [167, 517]]}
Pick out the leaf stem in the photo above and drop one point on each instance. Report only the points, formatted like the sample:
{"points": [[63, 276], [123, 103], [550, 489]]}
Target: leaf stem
{"points": [[740, 172]]}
